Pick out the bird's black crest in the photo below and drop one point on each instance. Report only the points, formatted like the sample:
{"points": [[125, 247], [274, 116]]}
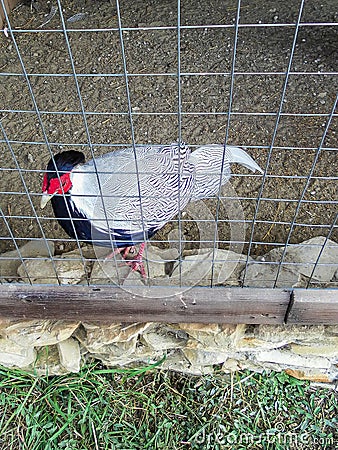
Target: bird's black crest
{"points": [[64, 162]]}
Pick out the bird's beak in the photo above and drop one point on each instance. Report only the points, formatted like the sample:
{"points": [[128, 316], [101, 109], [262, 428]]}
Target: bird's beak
{"points": [[45, 199]]}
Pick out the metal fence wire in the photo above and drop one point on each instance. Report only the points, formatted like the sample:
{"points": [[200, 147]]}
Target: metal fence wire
{"points": [[98, 77]]}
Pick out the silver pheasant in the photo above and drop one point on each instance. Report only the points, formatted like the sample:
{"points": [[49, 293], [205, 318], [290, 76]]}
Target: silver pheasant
{"points": [[124, 196]]}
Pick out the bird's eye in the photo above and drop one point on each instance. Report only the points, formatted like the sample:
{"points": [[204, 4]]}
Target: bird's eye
{"points": [[65, 183]]}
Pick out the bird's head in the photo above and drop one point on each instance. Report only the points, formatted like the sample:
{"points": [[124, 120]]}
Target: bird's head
{"points": [[57, 178]]}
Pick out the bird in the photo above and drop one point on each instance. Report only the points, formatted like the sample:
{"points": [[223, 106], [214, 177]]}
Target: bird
{"points": [[124, 197]]}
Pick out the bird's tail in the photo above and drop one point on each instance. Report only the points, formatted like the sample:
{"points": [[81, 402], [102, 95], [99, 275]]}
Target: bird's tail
{"points": [[207, 161], [240, 156]]}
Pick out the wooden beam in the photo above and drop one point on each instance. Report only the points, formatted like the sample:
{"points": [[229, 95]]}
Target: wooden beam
{"points": [[113, 304], [9, 5], [314, 306]]}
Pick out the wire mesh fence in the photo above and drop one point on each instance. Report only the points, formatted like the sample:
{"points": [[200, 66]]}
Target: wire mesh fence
{"points": [[98, 77]]}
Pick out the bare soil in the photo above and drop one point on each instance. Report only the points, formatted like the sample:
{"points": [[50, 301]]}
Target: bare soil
{"points": [[154, 102]]}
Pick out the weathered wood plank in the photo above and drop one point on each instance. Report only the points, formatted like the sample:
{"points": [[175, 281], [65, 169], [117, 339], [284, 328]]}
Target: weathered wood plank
{"points": [[314, 306], [9, 5], [203, 305]]}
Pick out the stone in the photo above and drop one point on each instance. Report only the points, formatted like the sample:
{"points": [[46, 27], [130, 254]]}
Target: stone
{"points": [[110, 271], [59, 271], [119, 353], [197, 269], [301, 258], [98, 337], [157, 261], [116, 271], [263, 275], [200, 357], [331, 330], [163, 338], [58, 347], [177, 362], [194, 329], [12, 259], [90, 252], [328, 350], [253, 344], [286, 358], [313, 375], [38, 333], [133, 279], [70, 356], [15, 355], [125, 354], [214, 337], [47, 362], [323, 385], [231, 365], [280, 334]]}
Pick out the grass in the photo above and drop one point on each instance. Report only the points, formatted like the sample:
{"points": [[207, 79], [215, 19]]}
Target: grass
{"points": [[111, 409]]}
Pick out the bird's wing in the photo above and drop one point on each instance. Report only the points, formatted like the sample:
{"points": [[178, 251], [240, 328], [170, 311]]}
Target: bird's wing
{"points": [[159, 178]]}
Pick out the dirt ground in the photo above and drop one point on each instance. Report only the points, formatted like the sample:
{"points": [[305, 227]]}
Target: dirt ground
{"points": [[96, 55]]}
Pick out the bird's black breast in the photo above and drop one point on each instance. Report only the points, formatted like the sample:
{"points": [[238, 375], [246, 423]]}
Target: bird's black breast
{"points": [[75, 224], [79, 227]]}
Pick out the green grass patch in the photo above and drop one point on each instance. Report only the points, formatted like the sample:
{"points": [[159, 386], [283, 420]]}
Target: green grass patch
{"points": [[111, 409]]}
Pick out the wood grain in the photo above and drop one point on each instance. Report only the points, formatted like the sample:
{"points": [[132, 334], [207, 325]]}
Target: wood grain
{"points": [[314, 306], [200, 305]]}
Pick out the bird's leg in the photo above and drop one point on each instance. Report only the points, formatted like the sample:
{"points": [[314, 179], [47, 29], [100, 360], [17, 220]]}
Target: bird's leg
{"points": [[126, 251], [121, 250], [137, 262]]}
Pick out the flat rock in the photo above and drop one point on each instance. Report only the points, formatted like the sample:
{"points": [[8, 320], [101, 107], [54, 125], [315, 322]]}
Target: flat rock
{"points": [[301, 258], [288, 358], [90, 252], [212, 336], [197, 269], [176, 361], [15, 355], [10, 261], [263, 275], [97, 336], [163, 338], [37, 333], [133, 279], [200, 357], [59, 271], [316, 375], [110, 271]]}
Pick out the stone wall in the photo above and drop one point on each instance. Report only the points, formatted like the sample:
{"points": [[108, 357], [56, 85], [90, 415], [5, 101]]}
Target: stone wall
{"points": [[57, 347]]}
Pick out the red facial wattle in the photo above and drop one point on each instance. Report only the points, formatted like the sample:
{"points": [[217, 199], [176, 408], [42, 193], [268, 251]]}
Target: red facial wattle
{"points": [[55, 184]]}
